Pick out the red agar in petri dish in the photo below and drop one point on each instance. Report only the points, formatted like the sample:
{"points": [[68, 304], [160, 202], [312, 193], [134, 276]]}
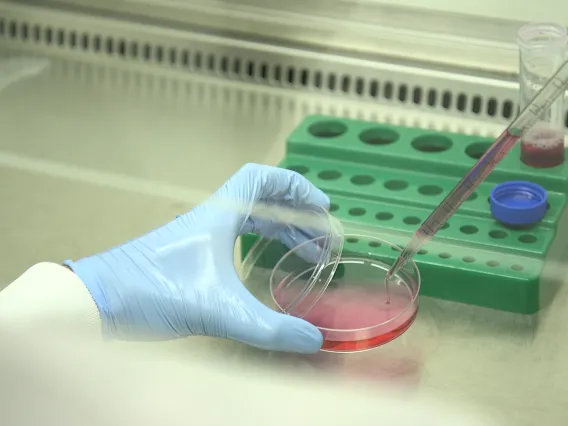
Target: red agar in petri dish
{"points": [[353, 320], [348, 299]]}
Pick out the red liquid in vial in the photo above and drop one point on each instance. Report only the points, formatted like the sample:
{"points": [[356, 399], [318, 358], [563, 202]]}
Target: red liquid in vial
{"points": [[543, 148]]}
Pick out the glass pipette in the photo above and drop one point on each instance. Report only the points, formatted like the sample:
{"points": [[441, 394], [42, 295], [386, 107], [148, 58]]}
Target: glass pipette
{"points": [[527, 118]]}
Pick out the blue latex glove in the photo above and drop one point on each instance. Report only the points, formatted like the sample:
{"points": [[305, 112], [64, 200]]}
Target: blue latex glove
{"points": [[180, 280]]}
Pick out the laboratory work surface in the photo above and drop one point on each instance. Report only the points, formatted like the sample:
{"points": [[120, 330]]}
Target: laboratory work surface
{"points": [[94, 154]]}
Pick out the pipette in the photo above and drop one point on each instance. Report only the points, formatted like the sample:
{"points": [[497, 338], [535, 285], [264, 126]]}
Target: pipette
{"points": [[527, 118]]}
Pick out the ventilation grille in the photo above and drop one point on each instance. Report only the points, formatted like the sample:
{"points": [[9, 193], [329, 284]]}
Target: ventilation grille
{"points": [[378, 83]]}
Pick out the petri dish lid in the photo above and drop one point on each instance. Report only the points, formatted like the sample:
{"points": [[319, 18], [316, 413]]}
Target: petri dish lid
{"points": [[298, 266], [272, 262]]}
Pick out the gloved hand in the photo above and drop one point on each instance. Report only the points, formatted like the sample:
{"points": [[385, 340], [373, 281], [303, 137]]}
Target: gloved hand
{"points": [[180, 280]]}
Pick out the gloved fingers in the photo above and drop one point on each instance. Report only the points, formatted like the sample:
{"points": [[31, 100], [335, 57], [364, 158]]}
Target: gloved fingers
{"points": [[307, 248], [257, 185], [285, 334], [285, 205], [257, 325], [270, 221], [265, 198], [289, 191], [285, 187], [316, 230]]}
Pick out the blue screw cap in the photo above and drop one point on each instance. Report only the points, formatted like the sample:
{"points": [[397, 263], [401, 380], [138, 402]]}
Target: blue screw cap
{"points": [[518, 203]]}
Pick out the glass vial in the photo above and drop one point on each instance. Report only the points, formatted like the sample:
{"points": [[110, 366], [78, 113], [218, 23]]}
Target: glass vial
{"points": [[542, 50]]}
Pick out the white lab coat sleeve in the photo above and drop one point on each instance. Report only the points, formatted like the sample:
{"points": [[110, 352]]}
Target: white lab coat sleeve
{"points": [[52, 296]]}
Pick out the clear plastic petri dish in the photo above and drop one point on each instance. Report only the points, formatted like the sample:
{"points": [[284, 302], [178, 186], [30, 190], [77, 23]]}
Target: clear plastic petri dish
{"points": [[321, 243], [356, 310]]}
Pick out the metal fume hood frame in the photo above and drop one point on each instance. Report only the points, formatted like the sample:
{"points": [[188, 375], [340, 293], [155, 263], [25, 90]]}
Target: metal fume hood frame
{"points": [[88, 34], [358, 26]]}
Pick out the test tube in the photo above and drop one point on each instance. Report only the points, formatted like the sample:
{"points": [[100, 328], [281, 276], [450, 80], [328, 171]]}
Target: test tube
{"points": [[542, 50]]}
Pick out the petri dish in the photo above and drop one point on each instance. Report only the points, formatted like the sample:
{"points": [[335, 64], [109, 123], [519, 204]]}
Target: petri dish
{"points": [[355, 310], [319, 251]]}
